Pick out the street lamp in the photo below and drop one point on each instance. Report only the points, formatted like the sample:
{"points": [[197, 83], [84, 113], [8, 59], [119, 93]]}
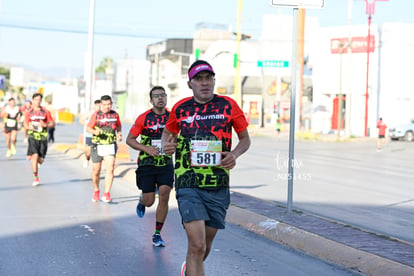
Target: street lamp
{"points": [[369, 9], [89, 58]]}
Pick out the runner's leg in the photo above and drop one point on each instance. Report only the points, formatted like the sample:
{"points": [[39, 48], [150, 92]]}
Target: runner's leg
{"points": [[14, 137], [210, 234], [34, 160], [162, 208], [96, 171], [196, 251], [109, 175], [8, 138]]}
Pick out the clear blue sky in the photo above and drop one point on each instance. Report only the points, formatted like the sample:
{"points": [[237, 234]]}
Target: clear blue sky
{"points": [[29, 36]]}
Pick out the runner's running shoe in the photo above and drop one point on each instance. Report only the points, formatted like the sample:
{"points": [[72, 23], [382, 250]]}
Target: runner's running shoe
{"points": [[157, 241], [140, 208], [106, 198], [183, 268], [36, 182], [13, 149], [95, 197], [8, 154]]}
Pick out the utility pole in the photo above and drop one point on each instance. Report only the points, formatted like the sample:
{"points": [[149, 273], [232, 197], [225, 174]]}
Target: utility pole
{"points": [[369, 9], [237, 78], [349, 94], [301, 54], [339, 123], [89, 57]]}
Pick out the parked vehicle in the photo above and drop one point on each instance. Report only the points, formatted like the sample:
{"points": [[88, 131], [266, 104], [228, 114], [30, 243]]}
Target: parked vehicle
{"points": [[405, 132]]}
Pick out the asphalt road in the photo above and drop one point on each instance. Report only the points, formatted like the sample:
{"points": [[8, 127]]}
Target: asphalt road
{"points": [[345, 181], [55, 229]]}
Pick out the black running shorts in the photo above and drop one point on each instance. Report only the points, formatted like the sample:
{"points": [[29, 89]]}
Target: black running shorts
{"points": [[149, 176], [37, 146]]}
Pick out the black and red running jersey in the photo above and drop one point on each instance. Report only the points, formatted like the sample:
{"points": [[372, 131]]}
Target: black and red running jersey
{"points": [[35, 117], [205, 130], [150, 126], [107, 123]]}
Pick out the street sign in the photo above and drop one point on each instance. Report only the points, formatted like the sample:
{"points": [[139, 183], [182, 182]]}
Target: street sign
{"points": [[309, 4], [273, 63]]}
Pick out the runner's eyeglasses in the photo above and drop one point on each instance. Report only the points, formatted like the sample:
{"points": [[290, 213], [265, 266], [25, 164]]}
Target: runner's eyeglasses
{"points": [[156, 96]]}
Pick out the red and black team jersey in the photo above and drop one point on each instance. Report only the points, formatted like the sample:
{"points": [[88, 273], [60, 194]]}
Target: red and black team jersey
{"points": [[205, 130], [150, 126], [107, 123], [35, 117]]}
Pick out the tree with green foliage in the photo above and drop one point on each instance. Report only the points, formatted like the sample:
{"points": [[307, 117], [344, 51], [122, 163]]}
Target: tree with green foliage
{"points": [[104, 65]]}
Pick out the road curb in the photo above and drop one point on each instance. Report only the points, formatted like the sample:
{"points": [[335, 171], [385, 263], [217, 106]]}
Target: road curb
{"points": [[315, 245]]}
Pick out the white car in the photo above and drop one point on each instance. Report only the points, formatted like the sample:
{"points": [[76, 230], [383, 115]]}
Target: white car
{"points": [[405, 132]]}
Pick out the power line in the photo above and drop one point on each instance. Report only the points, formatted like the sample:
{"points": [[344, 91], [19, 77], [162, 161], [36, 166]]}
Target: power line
{"points": [[47, 29]]}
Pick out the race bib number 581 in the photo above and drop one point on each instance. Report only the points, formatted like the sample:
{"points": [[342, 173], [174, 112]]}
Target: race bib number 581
{"points": [[205, 153]]}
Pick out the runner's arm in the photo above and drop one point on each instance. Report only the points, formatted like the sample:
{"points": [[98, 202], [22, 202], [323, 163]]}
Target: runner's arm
{"points": [[50, 123], [82, 119], [119, 129], [229, 158], [131, 141], [169, 141], [26, 123], [91, 125]]}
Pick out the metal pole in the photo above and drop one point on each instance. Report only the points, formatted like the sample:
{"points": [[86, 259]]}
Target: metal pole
{"points": [[89, 63], [367, 84], [292, 109], [262, 121], [349, 94], [237, 82], [339, 123], [379, 72]]}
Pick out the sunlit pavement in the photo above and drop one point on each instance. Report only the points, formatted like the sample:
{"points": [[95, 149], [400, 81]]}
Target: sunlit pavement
{"points": [[343, 244]]}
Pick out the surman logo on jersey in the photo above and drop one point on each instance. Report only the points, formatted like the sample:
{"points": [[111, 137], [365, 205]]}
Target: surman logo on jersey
{"points": [[190, 119], [157, 126], [196, 117], [104, 120], [37, 117]]}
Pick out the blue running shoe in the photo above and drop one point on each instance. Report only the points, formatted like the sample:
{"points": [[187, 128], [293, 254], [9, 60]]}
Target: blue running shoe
{"points": [[140, 209], [157, 241]]}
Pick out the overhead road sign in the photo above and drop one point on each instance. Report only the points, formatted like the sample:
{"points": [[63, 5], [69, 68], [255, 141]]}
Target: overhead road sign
{"points": [[273, 63], [307, 4]]}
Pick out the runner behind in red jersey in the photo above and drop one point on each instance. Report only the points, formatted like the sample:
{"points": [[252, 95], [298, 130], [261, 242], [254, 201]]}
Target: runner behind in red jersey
{"points": [[155, 169], [37, 121], [106, 128], [382, 128]]}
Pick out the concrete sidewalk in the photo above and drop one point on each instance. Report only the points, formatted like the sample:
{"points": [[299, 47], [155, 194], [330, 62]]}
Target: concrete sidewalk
{"points": [[356, 249]]}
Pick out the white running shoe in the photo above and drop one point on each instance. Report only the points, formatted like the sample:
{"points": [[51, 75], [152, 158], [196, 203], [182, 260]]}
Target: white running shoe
{"points": [[85, 163], [13, 149], [183, 268], [36, 182]]}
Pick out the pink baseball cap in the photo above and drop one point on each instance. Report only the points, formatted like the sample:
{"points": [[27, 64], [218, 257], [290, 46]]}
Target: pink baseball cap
{"points": [[199, 66]]}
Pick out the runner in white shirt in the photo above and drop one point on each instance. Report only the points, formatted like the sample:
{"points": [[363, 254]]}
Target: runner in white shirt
{"points": [[11, 114]]}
